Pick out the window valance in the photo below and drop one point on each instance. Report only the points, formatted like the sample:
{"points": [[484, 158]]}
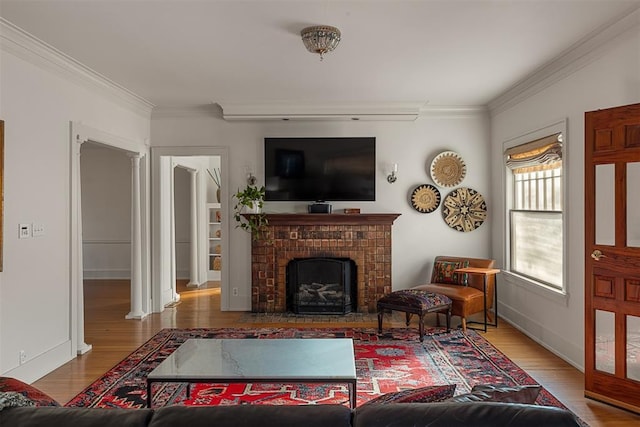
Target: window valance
{"points": [[541, 154]]}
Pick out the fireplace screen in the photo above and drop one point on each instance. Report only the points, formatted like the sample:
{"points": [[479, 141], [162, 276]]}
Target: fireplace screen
{"points": [[321, 285]]}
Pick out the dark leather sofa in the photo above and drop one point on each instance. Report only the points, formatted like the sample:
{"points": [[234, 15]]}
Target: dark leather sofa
{"points": [[480, 414]]}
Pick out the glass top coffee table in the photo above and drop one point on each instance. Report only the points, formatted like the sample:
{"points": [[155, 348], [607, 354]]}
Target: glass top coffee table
{"points": [[223, 361]]}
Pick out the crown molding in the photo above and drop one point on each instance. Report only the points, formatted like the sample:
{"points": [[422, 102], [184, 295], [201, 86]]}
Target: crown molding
{"points": [[585, 51], [24, 45], [182, 111], [257, 112], [290, 111], [453, 112]]}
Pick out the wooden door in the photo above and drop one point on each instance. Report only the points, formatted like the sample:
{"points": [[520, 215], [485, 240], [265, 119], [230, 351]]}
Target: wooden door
{"points": [[612, 256]]}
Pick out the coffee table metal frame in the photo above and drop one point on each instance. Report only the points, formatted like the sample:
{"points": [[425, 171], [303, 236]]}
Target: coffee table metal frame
{"points": [[168, 371]]}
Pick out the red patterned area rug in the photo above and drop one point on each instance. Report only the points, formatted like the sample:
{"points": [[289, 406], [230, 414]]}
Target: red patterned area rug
{"points": [[392, 361]]}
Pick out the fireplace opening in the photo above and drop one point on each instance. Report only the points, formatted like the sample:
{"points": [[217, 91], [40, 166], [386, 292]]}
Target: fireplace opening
{"points": [[321, 285]]}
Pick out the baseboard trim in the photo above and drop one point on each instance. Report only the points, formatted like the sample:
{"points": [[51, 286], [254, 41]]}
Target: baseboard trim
{"points": [[107, 274], [42, 364], [122, 274], [547, 338]]}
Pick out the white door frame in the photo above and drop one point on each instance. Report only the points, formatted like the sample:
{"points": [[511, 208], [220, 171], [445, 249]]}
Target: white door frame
{"points": [[160, 222], [80, 134]]}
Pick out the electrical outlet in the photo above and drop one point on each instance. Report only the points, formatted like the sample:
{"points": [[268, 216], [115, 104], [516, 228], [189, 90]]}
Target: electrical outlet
{"points": [[235, 292], [37, 229], [23, 356], [24, 231]]}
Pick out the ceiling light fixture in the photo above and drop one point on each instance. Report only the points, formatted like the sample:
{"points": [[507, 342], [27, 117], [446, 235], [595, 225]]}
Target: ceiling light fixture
{"points": [[320, 39]]}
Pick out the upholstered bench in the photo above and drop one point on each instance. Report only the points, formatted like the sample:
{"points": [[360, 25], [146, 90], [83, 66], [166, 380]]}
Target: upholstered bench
{"points": [[414, 301]]}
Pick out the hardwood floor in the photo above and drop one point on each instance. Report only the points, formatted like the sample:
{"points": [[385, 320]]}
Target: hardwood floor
{"points": [[113, 338]]}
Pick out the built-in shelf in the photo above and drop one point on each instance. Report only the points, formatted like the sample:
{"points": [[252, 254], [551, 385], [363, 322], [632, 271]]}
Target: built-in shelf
{"points": [[214, 248]]}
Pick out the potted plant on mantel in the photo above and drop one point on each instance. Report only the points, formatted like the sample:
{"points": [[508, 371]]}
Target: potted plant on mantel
{"points": [[250, 201]]}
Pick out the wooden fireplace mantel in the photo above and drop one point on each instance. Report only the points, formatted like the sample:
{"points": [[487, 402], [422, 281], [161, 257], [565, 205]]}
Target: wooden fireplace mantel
{"points": [[332, 219]]}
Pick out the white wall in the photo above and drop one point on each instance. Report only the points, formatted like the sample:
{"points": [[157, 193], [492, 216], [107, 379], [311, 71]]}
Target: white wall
{"points": [[611, 78], [182, 200], [38, 100], [106, 212], [417, 238]]}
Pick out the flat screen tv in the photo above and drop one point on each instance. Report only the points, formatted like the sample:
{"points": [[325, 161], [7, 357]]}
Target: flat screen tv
{"points": [[320, 169]]}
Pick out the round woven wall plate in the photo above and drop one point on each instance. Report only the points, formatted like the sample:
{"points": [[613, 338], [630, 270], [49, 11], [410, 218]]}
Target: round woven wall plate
{"points": [[425, 198], [448, 169], [464, 209]]}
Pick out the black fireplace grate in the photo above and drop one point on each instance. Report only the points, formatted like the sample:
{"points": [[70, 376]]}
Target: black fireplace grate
{"points": [[321, 285]]}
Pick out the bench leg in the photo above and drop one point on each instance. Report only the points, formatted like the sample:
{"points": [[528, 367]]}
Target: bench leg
{"points": [[421, 327], [464, 325], [380, 313], [449, 319], [408, 317]]}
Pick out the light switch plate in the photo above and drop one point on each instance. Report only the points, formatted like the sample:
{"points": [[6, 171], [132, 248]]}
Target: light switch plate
{"points": [[24, 231]]}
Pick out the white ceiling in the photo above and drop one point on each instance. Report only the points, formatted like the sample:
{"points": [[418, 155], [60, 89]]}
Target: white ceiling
{"points": [[186, 52]]}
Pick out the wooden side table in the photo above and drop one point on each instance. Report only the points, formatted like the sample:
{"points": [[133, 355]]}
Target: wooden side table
{"points": [[485, 272]]}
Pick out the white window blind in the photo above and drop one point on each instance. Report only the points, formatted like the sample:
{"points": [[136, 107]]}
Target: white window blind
{"points": [[535, 215]]}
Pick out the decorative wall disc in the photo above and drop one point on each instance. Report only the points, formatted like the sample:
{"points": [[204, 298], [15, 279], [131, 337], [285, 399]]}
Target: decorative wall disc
{"points": [[425, 198], [448, 169], [464, 209]]}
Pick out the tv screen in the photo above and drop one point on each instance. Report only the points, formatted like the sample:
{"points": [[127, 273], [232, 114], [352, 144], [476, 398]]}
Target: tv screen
{"points": [[320, 169]]}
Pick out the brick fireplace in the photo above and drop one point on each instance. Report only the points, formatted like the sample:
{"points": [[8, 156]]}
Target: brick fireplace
{"points": [[363, 238]]}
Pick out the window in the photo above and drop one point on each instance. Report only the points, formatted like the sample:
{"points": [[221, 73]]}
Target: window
{"points": [[535, 210]]}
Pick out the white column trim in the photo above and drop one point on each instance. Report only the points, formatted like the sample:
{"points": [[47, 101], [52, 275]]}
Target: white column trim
{"points": [[175, 296], [77, 275], [136, 242], [193, 231]]}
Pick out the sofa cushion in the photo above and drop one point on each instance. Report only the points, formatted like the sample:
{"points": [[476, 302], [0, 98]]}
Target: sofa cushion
{"points": [[445, 414], [443, 272], [38, 397], [252, 415], [75, 417], [428, 394], [473, 280], [499, 393]]}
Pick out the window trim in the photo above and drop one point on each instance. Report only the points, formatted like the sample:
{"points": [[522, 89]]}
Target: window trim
{"points": [[538, 288], [511, 277]]}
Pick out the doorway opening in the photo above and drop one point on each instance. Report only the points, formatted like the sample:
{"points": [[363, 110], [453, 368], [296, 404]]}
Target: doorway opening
{"points": [[189, 218], [106, 218], [136, 151]]}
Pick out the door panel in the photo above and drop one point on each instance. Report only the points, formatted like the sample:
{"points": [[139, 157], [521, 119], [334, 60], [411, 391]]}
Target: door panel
{"points": [[633, 348], [605, 341], [605, 205], [633, 204], [612, 256]]}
